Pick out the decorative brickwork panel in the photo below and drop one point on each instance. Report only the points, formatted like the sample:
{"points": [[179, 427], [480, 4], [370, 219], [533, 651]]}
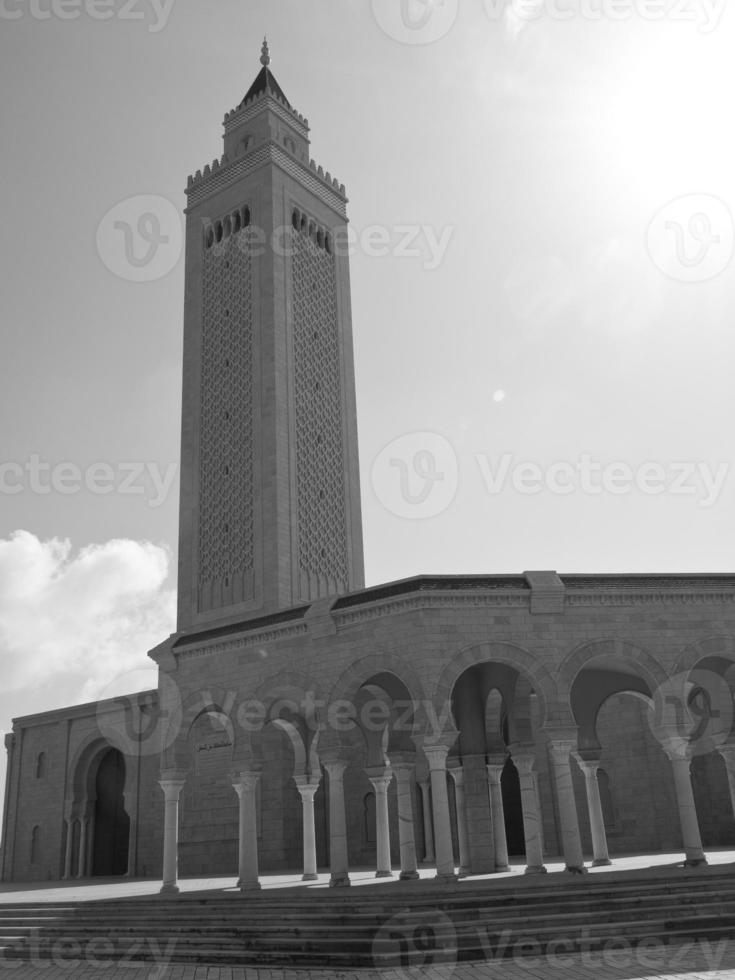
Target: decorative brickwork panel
{"points": [[225, 543], [320, 463]]}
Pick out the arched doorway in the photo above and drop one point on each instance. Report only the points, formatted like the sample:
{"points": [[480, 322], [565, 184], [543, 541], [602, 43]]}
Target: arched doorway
{"points": [[111, 822]]}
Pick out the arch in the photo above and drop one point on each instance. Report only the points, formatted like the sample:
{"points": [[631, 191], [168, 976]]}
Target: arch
{"points": [[177, 754], [358, 673], [111, 839], [508, 654], [721, 647], [614, 649]]}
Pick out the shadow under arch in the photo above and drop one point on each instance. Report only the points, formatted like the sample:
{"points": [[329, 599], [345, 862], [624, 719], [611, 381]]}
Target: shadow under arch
{"points": [[616, 652], [509, 655], [362, 671], [717, 648], [101, 784]]}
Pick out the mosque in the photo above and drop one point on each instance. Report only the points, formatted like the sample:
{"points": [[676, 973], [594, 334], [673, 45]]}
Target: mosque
{"points": [[303, 722]]}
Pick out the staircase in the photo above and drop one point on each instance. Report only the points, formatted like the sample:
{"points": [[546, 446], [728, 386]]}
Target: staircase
{"points": [[384, 926]]}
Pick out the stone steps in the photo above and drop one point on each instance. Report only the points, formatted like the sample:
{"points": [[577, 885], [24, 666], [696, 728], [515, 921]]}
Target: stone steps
{"points": [[383, 926]]}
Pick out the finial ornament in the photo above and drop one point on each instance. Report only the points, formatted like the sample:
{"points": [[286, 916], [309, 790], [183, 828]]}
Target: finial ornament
{"points": [[265, 55]]}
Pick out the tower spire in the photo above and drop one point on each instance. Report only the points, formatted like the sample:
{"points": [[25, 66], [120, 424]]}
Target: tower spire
{"points": [[265, 55]]}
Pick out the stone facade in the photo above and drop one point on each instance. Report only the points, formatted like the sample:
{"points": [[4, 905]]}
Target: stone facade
{"points": [[303, 722]]}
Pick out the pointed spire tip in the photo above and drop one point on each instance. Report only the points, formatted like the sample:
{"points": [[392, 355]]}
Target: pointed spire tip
{"points": [[265, 55]]}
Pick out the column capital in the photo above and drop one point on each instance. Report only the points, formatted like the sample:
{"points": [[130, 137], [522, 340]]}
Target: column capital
{"points": [[456, 771], [494, 771], [524, 761], [677, 749], [588, 766], [245, 781], [436, 755], [70, 810], [335, 768], [307, 786], [727, 751], [430, 741], [380, 777], [173, 775], [562, 747], [172, 784]]}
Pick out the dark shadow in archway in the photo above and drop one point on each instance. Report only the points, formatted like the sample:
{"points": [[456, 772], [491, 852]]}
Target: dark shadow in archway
{"points": [[111, 822]]}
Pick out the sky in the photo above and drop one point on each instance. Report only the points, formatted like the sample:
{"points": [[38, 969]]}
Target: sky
{"points": [[541, 197]]}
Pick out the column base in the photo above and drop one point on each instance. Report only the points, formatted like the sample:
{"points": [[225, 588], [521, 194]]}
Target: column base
{"points": [[501, 868], [695, 862], [602, 863], [464, 872], [169, 890], [408, 876], [340, 881], [248, 886], [309, 877], [383, 874], [536, 869], [448, 878], [576, 871]]}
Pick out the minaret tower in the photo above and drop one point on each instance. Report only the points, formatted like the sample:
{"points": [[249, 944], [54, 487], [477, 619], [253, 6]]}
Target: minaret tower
{"points": [[270, 497]]}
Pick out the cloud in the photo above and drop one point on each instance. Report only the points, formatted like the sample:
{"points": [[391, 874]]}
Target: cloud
{"points": [[71, 623]]}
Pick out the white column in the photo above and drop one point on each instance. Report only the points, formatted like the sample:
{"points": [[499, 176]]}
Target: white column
{"points": [[457, 773], [90, 839], [129, 802], [69, 818], [307, 787], [82, 856], [171, 786], [338, 859], [561, 750], [679, 755], [594, 806], [436, 756], [497, 811], [404, 770], [428, 823], [245, 785], [728, 754], [532, 828], [380, 778]]}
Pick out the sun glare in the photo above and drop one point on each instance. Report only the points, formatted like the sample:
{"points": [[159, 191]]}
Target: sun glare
{"points": [[669, 120]]}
